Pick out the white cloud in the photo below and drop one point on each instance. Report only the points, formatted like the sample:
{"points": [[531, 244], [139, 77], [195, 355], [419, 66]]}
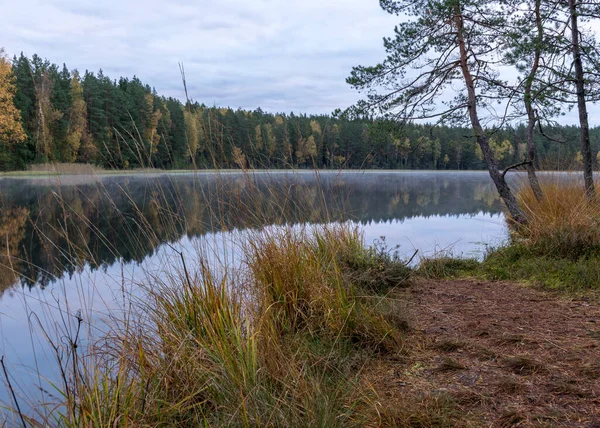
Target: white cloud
{"points": [[289, 55], [281, 56]]}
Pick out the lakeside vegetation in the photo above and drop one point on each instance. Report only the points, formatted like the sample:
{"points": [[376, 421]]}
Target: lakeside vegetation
{"points": [[282, 344], [287, 337], [558, 248]]}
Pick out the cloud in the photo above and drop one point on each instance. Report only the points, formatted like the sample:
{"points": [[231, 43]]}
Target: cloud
{"points": [[279, 55]]}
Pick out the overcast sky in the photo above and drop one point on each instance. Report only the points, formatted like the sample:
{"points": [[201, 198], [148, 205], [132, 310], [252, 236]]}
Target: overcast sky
{"points": [[281, 55]]}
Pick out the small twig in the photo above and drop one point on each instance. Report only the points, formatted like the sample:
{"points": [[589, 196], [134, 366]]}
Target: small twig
{"points": [[12, 391], [555, 140], [187, 98], [412, 258]]}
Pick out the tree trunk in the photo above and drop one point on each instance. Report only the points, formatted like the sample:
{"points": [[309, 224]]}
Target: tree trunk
{"points": [[586, 150], [531, 116], [506, 194]]}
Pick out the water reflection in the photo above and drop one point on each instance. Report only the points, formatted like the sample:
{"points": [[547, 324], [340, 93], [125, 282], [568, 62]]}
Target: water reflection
{"points": [[52, 228]]}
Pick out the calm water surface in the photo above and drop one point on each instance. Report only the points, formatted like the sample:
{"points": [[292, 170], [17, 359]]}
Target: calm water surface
{"points": [[83, 243]]}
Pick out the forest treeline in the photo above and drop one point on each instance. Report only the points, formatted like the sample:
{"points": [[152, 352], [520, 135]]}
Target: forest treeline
{"points": [[49, 113]]}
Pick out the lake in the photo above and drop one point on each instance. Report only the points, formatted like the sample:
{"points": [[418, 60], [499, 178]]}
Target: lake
{"points": [[72, 243]]}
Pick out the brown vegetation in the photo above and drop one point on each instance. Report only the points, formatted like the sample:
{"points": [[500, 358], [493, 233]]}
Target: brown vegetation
{"points": [[492, 354]]}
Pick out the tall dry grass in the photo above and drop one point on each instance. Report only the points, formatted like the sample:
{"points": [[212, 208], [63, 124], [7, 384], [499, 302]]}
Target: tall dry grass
{"points": [[276, 341], [278, 346], [564, 222]]}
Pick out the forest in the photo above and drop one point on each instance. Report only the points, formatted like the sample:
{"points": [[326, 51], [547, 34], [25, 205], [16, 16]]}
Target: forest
{"points": [[50, 113]]}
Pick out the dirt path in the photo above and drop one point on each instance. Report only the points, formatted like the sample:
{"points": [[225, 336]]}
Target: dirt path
{"points": [[493, 354]]}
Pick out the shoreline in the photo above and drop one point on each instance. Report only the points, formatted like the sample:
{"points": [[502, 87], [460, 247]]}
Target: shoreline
{"points": [[160, 172]]}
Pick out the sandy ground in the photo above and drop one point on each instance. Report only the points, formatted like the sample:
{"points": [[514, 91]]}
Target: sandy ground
{"points": [[492, 354]]}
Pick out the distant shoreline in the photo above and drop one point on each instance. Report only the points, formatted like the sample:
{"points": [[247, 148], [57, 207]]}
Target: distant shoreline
{"points": [[155, 172]]}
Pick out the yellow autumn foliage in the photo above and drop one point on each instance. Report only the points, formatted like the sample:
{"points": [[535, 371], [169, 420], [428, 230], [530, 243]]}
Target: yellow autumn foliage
{"points": [[11, 129]]}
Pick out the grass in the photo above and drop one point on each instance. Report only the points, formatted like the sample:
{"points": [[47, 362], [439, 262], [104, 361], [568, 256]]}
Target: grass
{"points": [[450, 345], [523, 365], [446, 267], [518, 262], [558, 249], [430, 410], [449, 365], [550, 271], [280, 343], [564, 223]]}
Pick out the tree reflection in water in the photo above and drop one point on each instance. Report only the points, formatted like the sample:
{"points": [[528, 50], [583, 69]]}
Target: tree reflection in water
{"points": [[50, 228]]}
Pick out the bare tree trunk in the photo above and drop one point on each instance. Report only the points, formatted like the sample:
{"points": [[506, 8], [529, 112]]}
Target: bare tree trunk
{"points": [[586, 150], [531, 116], [534, 182], [506, 194]]}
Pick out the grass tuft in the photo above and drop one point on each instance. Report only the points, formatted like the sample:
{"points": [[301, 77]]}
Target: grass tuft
{"points": [[449, 365], [450, 345], [563, 223], [431, 410], [279, 345], [523, 365], [446, 267], [302, 282]]}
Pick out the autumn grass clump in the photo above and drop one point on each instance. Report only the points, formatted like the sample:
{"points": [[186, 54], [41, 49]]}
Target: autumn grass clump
{"points": [[278, 343], [563, 223], [306, 282], [559, 247]]}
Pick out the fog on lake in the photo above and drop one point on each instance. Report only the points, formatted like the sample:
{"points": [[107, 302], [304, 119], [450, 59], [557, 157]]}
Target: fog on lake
{"points": [[71, 244]]}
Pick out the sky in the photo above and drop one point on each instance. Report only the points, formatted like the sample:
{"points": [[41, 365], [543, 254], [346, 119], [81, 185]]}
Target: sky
{"points": [[280, 55]]}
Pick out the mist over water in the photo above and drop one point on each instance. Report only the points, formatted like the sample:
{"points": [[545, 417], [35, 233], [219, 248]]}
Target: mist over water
{"points": [[85, 244], [51, 227]]}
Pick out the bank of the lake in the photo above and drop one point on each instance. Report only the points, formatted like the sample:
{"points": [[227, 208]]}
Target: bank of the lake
{"points": [[336, 333]]}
